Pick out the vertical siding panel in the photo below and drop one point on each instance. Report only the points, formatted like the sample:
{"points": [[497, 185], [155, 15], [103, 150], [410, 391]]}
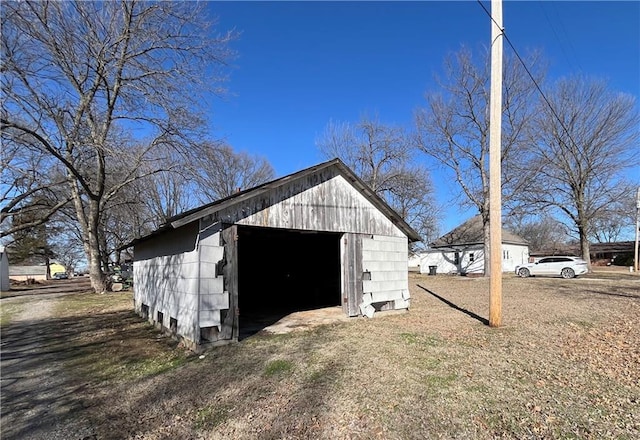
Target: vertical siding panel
{"points": [[351, 255], [230, 327]]}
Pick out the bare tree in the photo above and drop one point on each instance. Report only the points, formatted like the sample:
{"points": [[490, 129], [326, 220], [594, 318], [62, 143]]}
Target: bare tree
{"points": [[98, 86], [543, 232], [223, 171], [384, 158], [68, 251], [164, 195], [27, 189], [581, 145], [618, 219], [453, 128]]}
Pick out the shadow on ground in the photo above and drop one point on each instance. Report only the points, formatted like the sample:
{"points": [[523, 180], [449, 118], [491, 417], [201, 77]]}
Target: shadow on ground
{"points": [[43, 384], [73, 378], [469, 313]]}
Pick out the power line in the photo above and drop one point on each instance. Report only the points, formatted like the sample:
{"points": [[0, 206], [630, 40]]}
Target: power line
{"points": [[558, 37], [555, 114]]}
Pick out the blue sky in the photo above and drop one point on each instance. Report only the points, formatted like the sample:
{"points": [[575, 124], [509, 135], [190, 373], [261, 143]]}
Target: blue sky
{"points": [[302, 64]]}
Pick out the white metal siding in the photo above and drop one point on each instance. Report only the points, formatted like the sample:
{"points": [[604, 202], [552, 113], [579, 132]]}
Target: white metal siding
{"points": [[517, 254], [213, 298], [512, 255], [181, 285], [384, 260]]}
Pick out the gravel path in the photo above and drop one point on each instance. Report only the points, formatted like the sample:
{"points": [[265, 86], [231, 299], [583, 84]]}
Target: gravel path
{"points": [[38, 400]]}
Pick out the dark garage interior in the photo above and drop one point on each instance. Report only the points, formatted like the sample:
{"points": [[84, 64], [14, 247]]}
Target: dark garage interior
{"points": [[283, 271]]}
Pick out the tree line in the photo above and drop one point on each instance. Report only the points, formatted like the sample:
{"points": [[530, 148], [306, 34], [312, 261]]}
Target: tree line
{"points": [[101, 144]]}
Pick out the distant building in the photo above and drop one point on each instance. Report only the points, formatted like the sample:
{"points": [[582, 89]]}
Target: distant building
{"points": [[55, 268], [609, 253], [461, 251], [601, 254], [24, 273]]}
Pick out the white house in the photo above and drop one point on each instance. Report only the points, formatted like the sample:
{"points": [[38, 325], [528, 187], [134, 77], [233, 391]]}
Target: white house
{"points": [[461, 251]]}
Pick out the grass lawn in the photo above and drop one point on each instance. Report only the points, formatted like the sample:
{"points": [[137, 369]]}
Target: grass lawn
{"points": [[565, 364]]}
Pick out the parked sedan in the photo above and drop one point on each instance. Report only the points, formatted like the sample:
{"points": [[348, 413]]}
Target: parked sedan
{"points": [[60, 276], [566, 267]]}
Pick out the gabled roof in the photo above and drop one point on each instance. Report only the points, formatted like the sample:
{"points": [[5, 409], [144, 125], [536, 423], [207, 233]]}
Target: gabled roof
{"points": [[240, 197], [471, 233]]}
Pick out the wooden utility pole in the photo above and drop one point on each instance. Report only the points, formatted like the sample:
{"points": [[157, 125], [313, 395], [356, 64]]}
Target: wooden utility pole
{"points": [[635, 256], [495, 155]]}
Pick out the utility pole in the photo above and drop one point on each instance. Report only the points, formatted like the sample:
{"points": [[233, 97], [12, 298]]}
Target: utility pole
{"points": [[495, 178], [635, 249]]}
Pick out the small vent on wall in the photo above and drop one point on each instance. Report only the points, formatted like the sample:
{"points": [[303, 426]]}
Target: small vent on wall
{"points": [[220, 267], [173, 326], [209, 334]]}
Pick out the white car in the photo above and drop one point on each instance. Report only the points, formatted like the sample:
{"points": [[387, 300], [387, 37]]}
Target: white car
{"points": [[564, 266]]}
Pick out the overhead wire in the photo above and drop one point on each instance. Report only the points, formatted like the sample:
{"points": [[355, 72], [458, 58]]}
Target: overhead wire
{"points": [[544, 97], [560, 38]]}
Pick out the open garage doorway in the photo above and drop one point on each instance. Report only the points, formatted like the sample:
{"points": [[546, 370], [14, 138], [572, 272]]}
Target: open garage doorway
{"points": [[283, 271]]}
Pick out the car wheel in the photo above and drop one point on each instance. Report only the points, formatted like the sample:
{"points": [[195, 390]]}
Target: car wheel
{"points": [[523, 272], [567, 273]]}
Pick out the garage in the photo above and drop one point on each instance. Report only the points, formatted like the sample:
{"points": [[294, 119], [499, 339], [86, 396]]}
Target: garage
{"points": [[316, 238], [287, 270], [283, 271]]}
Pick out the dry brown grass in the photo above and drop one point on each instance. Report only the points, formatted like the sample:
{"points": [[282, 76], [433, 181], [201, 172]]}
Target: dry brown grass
{"points": [[565, 364]]}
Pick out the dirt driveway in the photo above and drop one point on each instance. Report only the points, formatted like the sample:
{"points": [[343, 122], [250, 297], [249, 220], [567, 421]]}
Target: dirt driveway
{"points": [[38, 400]]}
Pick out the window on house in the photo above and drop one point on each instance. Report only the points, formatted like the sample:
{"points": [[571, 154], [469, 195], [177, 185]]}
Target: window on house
{"points": [[472, 257], [505, 255], [160, 319], [456, 259], [144, 310]]}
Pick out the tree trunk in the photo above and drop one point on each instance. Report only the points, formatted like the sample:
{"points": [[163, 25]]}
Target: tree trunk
{"points": [[89, 222], [98, 280], [96, 273], [584, 246]]}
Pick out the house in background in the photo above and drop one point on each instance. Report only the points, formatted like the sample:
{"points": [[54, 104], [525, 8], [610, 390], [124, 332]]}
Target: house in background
{"points": [[461, 251], [210, 273], [414, 261], [55, 268], [26, 273]]}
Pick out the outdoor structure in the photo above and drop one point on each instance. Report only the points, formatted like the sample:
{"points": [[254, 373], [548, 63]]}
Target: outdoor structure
{"points": [[603, 254], [316, 238], [55, 267], [4, 270], [26, 273], [461, 251]]}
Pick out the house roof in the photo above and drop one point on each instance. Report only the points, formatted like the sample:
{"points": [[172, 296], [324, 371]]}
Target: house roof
{"points": [[613, 247], [471, 233], [243, 196]]}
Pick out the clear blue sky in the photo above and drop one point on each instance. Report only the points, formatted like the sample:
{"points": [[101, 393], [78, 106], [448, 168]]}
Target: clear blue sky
{"points": [[301, 64]]}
